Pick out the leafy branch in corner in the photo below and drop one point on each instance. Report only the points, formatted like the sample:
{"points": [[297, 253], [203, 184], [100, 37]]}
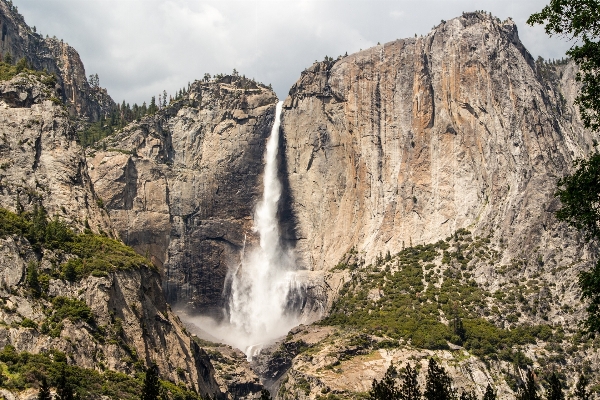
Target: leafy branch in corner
{"points": [[579, 192]]}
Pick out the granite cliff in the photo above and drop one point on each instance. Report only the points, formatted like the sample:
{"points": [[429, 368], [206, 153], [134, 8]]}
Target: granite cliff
{"points": [[401, 149], [55, 56], [408, 141], [123, 323], [181, 186]]}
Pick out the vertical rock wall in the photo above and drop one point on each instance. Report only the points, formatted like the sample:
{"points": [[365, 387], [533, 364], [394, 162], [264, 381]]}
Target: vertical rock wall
{"points": [[181, 186], [55, 56], [41, 164], [408, 141]]}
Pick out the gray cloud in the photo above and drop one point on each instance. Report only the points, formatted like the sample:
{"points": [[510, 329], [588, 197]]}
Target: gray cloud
{"points": [[141, 47]]}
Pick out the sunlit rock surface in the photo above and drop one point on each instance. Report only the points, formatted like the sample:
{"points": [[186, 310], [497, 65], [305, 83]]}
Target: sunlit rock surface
{"points": [[406, 142]]}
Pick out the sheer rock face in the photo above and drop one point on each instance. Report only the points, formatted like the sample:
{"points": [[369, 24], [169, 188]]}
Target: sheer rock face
{"points": [[55, 56], [40, 159], [408, 141], [42, 164], [184, 188]]}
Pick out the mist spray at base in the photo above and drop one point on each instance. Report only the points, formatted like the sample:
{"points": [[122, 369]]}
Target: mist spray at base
{"points": [[264, 282]]}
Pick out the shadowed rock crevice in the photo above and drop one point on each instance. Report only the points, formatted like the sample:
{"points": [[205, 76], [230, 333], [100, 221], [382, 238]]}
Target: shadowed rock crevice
{"points": [[286, 212]]}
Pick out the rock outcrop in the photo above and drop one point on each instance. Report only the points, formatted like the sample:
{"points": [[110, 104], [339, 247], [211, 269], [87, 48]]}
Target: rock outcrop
{"points": [[406, 142], [181, 185], [40, 157], [53, 55], [41, 165]]}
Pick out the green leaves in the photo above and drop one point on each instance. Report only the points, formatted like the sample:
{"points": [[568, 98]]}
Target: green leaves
{"points": [[579, 194], [580, 197], [9, 71], [589, 281], [72, 309], [572, 18]]}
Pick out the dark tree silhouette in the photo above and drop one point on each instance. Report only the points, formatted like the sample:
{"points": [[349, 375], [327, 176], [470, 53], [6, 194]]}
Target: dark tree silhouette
{"points": [[555, 390], [438, 385], [409, 388], [581, 392], [467, 395], [490, 393], [265, 395], [64, 391], [385, 389], [529, 390], [44, 393], [151, 388], [459, 330]]}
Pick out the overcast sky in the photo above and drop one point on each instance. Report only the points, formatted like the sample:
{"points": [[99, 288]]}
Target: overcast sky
{"points": [[141, 47]]}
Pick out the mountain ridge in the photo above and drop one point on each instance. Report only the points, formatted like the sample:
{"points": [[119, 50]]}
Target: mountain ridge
{"points": [[448, 143]]}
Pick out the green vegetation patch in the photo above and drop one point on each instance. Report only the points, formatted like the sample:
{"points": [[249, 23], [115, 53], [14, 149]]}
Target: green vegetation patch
{"points": [[66, 308], [97, 254], [409, 297], [25, 370], [92, 254], [9, 71]]}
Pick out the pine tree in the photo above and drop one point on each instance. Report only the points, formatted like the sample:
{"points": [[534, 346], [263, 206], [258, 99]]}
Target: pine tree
{"points": [[151, 384], [386, 388], [64, 391], [459, 329], [467, 395], [438, 385], [581, 392], [528, 391], [490, 393], [94, 81], [555, 390], [409, 388], [44, 393], [152, 108], [37, 230], [22, 65], [33, 279], [265, 395]]}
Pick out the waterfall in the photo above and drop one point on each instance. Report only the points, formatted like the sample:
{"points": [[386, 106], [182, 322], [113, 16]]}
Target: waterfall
{"points": [[264, 280], [266, 292]]}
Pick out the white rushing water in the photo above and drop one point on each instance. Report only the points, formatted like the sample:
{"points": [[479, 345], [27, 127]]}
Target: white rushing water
{"points": [[264, 280]]}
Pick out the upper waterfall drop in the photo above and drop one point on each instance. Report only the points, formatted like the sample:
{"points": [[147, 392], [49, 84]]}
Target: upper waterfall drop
{"points": [[264, 281]]}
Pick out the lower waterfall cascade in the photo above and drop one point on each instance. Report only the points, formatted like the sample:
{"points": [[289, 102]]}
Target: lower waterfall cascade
{"points": [[263, 285]]}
